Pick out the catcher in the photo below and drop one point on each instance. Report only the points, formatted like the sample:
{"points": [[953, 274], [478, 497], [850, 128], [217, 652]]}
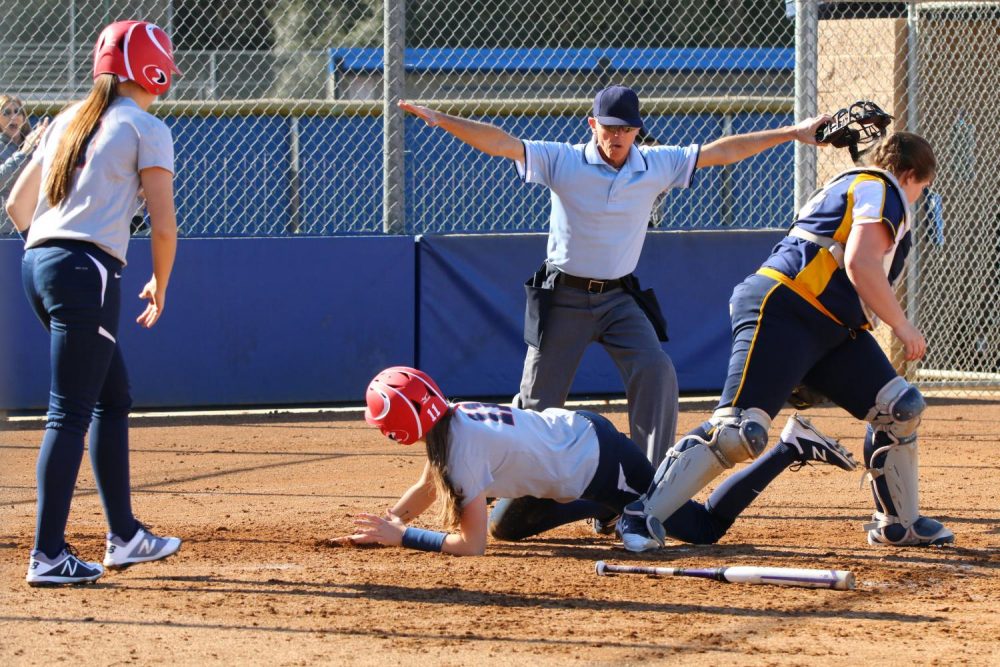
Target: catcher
{"points": [[805, 317]]}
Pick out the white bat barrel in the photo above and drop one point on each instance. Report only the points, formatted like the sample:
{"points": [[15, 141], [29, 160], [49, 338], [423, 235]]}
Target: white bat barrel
{"points": [[840, 580]]}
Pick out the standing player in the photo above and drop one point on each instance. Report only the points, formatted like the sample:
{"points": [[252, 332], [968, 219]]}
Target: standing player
{"points": [[477, 450], [77, 195], [585, 292], [805, 318]]}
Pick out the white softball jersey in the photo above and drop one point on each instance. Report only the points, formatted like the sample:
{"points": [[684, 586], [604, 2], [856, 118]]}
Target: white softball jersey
{"points": [[102, 198], [600, 214], [508, 453]]}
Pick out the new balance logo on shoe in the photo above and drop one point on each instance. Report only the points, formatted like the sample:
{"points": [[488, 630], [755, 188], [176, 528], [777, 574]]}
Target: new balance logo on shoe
{"points": [[64, 569], [811, 445], [818, 454], [147, 547]]}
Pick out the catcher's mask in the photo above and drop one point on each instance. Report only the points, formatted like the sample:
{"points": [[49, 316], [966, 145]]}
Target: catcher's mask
{"points": [[138, 51], [861, 124], [404, 404]]}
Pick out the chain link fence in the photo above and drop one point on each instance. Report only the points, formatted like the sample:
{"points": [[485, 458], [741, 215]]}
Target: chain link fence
{"points": [[284, 120]]}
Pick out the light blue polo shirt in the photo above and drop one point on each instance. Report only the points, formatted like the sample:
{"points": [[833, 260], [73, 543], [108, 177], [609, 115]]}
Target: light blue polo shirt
{"points": [[600, 214]]}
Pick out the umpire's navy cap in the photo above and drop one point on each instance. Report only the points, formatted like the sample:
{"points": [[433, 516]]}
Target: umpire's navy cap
{"points": [[617, 105]]}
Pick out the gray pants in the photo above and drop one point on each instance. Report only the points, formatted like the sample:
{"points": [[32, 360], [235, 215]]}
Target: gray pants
{"points": [[614, 320]]}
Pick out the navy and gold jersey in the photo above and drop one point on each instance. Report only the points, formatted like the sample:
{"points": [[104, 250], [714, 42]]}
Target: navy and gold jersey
{"points": [[851, 198]]}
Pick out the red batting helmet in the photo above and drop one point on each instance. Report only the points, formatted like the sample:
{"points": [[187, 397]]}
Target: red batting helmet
{"points": [[138, 51], [404, 403]]}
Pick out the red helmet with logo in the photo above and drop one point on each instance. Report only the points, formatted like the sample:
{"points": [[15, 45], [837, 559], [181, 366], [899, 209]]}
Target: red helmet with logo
{"points": [[138, 51], [404, 403]]}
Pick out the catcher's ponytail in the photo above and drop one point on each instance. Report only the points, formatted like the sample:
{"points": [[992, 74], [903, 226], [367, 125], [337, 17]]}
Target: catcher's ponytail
{"points": [[438, 448], [73, 141], [904, 151]]}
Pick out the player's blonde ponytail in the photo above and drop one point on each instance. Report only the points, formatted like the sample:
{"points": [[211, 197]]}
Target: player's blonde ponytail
{"points": [[904, 151], [438, 448], [73, 142]]}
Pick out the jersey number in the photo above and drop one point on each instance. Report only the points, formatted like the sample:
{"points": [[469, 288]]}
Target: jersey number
{"points": [[488, 411]]}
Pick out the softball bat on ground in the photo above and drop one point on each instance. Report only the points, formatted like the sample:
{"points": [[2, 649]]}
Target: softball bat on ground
{"points": [[839, 580]]}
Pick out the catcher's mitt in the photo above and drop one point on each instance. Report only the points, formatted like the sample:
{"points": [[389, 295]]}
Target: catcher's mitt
{"points": [[861, 124]]}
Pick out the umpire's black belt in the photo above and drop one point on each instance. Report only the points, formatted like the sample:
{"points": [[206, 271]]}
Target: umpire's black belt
{"points": [[592, 285]]}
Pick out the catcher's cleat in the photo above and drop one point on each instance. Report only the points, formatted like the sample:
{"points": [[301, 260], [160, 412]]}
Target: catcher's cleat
{"points": [[65, 569], [142, 548], [924, 532], [634, 529], [604, 526], [811, 445]]}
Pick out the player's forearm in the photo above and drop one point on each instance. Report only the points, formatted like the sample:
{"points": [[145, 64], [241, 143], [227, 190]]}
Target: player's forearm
{"points": [[485, 137], [163, 244], [158, 188], [414, 501], [729, 150], [459, 544]]}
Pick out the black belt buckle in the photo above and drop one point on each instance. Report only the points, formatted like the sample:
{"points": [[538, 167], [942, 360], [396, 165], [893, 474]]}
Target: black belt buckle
{"points": [[595, 286]]}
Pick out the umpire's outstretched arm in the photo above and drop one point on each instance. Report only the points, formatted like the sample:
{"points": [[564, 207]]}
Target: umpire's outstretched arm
{"points": [[487, 138], [732, 149]]}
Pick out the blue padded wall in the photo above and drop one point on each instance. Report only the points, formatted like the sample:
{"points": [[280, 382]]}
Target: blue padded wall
{"points": [[247, 322], [471, 306]]}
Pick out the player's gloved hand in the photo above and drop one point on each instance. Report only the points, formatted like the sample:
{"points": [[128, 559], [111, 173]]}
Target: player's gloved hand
{"points": [[154, 308], [805, 130], [914, 343], [373, 529], [426, 114]]}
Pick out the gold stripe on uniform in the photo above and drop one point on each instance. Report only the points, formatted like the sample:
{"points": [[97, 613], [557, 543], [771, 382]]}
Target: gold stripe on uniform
{"points": [[799, 289], [818, 272], [753, 341]]}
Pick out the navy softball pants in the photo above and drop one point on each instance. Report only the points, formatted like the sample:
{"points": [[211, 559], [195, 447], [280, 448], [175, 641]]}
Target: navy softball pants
{"points": [[623, 474], [74, 288], [781, 341]]}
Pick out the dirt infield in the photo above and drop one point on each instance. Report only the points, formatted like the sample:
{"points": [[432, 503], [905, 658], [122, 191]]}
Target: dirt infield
{"points": [[256, 582]]}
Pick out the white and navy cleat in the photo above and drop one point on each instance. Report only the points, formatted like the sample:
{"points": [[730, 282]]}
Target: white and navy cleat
{"points": [[604, 526], [144, 547], [924, 532], [811, 445], [635, 533], [63, 570]]}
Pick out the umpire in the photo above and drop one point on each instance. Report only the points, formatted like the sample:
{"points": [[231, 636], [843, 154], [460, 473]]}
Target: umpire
{"points": [[602, 195]]}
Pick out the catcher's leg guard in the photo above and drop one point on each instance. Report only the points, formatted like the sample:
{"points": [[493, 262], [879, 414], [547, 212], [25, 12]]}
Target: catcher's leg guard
{"points": [[732, 435], [891, 459]]}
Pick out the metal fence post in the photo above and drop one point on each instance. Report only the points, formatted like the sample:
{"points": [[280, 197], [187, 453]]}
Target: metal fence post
{"points": [[912, 124], [393, 167], [806, 73]]}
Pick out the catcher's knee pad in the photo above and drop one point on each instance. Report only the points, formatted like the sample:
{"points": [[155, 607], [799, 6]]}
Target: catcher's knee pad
{"points": [[897, 410], [730, 436]]}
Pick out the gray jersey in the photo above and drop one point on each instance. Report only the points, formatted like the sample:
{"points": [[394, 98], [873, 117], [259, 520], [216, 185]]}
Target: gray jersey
{"points": [[508, 453], [102, 198]]}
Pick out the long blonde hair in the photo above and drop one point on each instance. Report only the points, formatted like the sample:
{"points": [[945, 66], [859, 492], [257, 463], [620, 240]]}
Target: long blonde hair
{"points": [[904, 151], [25, 126], [438, 448], [73, 141]]}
